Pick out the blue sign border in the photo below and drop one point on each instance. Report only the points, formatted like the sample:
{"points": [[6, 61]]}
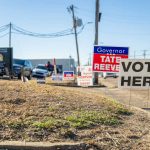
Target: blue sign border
{"points": [[69, 72], [111, 50]]}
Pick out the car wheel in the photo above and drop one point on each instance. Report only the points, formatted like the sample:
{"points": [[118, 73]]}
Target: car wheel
{"points": [[19, 76], [11, 77]]}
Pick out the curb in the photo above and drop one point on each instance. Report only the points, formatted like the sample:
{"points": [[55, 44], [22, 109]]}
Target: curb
{"points": [[15, 145]]}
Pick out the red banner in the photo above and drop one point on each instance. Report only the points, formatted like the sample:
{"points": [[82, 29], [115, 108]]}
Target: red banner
{"points": [[107, 62]]}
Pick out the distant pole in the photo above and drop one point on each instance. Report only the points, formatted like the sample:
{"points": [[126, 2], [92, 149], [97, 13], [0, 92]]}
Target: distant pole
{"points": [[89, 59], [144, 53], [70, 63], [75, 31], [134, 54], [10, 25]]}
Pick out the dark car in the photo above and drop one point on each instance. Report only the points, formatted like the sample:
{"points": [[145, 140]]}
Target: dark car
{"points": [[22, 67], [2, 69]]}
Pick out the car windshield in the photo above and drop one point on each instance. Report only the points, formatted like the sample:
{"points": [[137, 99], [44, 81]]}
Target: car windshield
{"points": [[18, 61], [41, 67]]}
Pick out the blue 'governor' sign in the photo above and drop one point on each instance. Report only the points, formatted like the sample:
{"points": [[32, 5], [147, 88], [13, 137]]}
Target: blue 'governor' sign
{"points": [[111, 50]]}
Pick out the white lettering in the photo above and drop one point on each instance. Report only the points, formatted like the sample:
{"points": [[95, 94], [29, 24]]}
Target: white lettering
{"points": [[107, 59], [113, 67], [102, 66], [113, 58], [102, 57], [117, 67], [96, 66], [107, 67]]}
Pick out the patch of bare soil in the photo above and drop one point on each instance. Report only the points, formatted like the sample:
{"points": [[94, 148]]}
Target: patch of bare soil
{"points": [[35, 112]]}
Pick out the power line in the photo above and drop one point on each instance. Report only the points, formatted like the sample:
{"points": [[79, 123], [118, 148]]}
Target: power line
{"points": [[23, 31], [4, 28], [42, 35], [1, 36], [18, 30]]}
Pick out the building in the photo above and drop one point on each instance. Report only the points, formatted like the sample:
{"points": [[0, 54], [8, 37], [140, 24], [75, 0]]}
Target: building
{"points": [[67, 64]]}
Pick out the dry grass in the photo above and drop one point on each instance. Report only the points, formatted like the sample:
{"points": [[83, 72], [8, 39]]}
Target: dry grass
{"points": [[34, 112]]}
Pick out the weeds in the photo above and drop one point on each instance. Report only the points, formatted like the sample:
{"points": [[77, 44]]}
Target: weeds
{"points": [[17, 125], [48, 124], [118, 108], [85, 119]]}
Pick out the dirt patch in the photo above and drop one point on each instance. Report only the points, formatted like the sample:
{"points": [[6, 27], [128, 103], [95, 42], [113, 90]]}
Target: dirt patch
{"points": [[17, 101], [35, 112]]}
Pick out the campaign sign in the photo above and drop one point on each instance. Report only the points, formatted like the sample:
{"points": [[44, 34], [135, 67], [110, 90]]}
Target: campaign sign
{"points": [[57, 77], [68, 75], [134, 73], [41, 80], [6, 60], [107, 59], [85, 78]]}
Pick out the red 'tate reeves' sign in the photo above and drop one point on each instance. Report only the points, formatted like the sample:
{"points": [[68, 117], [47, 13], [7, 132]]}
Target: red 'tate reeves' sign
{"points": [[107, 59]]}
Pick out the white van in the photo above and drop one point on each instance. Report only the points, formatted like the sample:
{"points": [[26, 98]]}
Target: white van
{"points": [[110, 74]]}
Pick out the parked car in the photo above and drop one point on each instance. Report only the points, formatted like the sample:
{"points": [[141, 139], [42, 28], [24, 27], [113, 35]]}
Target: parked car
{"points": [[2, 69], [110, 74], [20, 67], [40, 71]]}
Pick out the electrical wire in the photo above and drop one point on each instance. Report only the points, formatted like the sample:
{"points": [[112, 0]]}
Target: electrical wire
{"points": [[4, 28], [41, 35], [3, 35], [18, 30]]}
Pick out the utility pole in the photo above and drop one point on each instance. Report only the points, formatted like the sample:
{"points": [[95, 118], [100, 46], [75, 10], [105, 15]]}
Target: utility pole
{"points": [[97, 19], [10, 25], [75, 31]]}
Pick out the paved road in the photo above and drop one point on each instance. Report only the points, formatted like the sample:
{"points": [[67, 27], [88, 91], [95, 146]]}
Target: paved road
{"points": [[132, 97]]}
